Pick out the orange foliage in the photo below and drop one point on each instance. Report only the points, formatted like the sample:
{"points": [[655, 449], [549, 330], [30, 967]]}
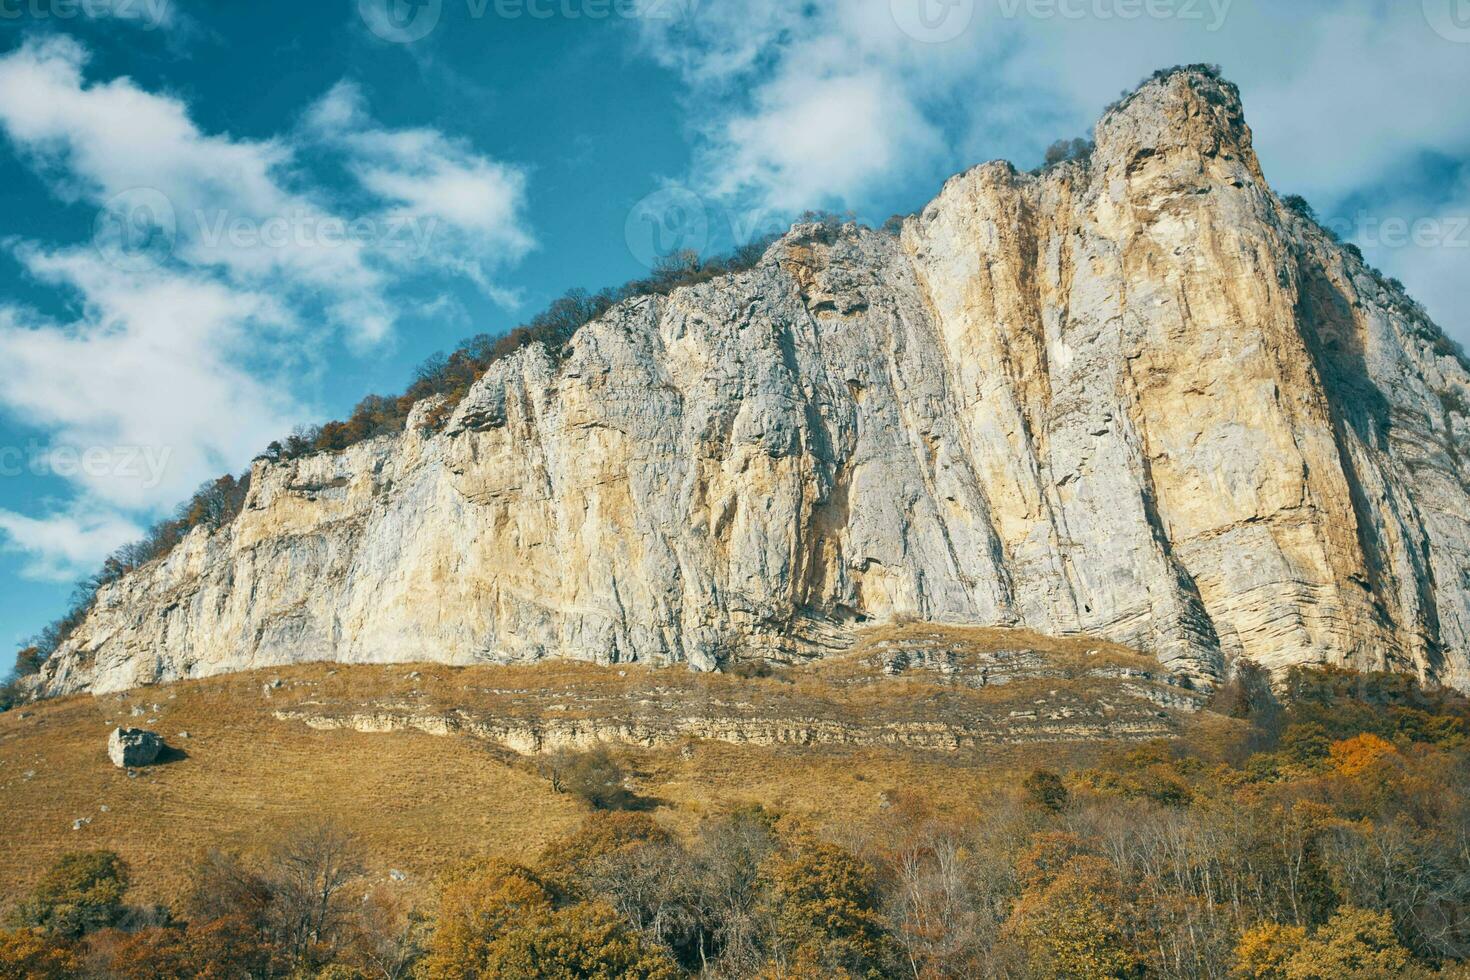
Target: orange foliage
{"points": [[27, 955], [1359, 754]]}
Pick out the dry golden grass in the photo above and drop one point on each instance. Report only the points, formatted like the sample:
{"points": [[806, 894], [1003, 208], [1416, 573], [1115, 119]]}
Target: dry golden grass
{"points": [[422, 802], [415, 799]]}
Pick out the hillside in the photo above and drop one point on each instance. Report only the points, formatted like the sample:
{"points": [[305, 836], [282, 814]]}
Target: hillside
{"points": [[1065, 809], [946, 712], [1134, 395]]}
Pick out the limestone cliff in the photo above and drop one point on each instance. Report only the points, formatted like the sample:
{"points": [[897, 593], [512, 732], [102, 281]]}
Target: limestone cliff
{"points": [[1133, 396]]}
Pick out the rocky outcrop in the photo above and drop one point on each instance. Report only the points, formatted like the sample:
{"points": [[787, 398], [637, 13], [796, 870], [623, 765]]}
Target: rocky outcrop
{"points": [[130, 747], [940, 689], [1134, 396]]}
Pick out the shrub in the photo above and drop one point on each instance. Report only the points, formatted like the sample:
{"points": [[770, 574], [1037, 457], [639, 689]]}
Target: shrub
{"points": [[1046, 791], [756, 669], [1299, 205], [825, 907], [27, 955], [595, 777], [81, 893], [583, 942], [1064, 150]]}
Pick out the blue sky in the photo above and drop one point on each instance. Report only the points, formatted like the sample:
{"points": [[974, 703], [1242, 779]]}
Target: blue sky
{"points": [[219, 220]]}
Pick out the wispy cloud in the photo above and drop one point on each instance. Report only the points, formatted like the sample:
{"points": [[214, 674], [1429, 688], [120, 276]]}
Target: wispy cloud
{"points": [[217, 263], [223, 201], [64, 547], [473, 207]]}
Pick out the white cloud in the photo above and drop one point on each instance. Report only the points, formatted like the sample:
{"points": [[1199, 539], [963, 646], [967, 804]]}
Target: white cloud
{"points": [[229, 207], [156, 364], [65, 547], [215, 262], [804, 105], [467, 209], [783, 151]]}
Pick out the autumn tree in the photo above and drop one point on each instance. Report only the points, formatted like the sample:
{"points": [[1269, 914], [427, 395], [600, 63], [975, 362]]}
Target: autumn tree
{"points": [[628, 861], [1073, 918], [477, 904], [308, 874], [1264, 951], [221, 886], [1046, 791], [28, 661], [586, 941], [1357, 755], [81, 893], [227, 947], [386, 937], [729, 853], [947, 889], [33, 955], [825, 910], [1355, 944]]}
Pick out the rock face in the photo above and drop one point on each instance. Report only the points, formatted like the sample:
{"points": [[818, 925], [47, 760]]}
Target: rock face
{"points": [[1134, 396], [131, 747]]}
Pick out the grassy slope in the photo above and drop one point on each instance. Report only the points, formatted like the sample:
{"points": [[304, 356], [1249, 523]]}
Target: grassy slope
{"points": [[422, 801]]}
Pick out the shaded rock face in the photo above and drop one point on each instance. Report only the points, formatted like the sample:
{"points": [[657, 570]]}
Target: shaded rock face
{"points": [[131, 747], [1134, 397]]}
